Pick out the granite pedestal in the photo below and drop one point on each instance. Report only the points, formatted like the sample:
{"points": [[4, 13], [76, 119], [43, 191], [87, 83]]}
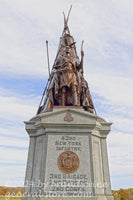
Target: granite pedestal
{"points": [[68, 129]]}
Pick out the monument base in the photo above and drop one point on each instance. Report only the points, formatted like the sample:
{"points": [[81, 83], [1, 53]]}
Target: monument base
{"points": [[67, 156], [70, 198]]}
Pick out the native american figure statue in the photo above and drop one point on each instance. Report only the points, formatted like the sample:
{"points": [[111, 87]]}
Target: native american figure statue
{"points": [[67, 86]]}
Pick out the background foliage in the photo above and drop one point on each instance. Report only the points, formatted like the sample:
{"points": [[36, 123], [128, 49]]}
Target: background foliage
{"points": [[122, 194]]}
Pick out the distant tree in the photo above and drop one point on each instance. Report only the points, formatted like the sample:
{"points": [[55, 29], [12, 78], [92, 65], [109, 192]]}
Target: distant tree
{"points": [[122, 198]]}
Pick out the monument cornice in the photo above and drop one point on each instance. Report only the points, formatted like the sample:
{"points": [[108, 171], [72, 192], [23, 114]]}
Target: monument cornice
{"points": [[54, 121], [76, 110]]}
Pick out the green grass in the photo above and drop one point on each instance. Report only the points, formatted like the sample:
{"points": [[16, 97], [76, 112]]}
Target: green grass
{"points": [[10, 198]]}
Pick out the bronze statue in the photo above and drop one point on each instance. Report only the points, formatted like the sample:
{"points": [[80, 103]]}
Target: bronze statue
{"points": [[67, 86]]}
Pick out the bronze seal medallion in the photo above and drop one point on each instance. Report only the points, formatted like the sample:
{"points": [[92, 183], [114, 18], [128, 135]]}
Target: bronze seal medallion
{"points": [[68, 162]]}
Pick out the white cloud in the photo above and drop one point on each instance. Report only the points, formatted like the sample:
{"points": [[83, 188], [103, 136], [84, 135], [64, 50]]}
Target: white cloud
{"points": [[27, 24], [122, 124], [13, 164], [14, 155], [13, 142], [15, 130], [17, 107], [14, 177], [119, 139], [121, 162], [116, 90], [120, 149]]}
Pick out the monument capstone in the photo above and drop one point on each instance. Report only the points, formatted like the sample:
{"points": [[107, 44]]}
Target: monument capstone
{"points": [[67, 156]]}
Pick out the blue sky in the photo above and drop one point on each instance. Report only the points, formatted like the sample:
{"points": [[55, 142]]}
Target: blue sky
{"points": [[106, 26]]}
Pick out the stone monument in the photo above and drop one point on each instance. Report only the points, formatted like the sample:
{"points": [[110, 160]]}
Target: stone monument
{"points": [[67, 156]]}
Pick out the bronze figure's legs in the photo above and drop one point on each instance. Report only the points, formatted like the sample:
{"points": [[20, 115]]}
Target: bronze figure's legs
{"points": [[74, 95], [63, 98]]}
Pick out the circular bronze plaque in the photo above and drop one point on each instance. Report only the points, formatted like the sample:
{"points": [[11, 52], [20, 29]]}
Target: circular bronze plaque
{"points": [[68, 162]]}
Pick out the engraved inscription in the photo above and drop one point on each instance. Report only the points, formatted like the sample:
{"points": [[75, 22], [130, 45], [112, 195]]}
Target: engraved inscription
{"points": [[67, 166], [68, 143], [68, 162]]}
